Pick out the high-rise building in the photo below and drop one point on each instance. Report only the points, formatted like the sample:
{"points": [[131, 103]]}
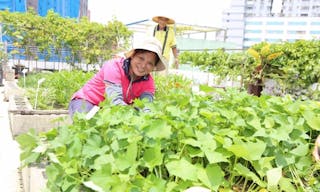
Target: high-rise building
{"points": [[65, 8], [252, 21]]}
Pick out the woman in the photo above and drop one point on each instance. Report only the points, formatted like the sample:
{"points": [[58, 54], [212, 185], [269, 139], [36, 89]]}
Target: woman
{"points": [[122, 79], [166, 35]]}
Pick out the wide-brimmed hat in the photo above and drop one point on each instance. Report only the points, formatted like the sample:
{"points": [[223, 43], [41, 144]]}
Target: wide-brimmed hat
{"points": [[154, 45], [157, 18]]}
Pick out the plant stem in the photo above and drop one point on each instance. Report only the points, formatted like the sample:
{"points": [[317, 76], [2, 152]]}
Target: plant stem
{"points": [[244, 184]]}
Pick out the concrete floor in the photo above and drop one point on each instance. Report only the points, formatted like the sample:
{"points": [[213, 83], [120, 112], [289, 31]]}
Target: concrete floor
{"points": [[9, 151]]}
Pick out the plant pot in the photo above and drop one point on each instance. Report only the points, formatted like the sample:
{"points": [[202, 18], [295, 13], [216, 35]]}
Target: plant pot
{"points": [[255, 89]]}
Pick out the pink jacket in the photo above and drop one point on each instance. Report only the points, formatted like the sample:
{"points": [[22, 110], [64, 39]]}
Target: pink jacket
{"points": [[114, 71]]}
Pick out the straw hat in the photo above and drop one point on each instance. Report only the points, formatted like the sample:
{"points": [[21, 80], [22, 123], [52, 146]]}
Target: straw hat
{"points": [[157, 18], [154, 45]]}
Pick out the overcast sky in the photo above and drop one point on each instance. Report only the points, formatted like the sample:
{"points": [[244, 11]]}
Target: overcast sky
{"points": [[200, 12]]}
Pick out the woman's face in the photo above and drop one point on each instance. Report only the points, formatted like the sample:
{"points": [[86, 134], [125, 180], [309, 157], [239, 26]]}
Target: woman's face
{"points": [[143, 62], [162, 21]]}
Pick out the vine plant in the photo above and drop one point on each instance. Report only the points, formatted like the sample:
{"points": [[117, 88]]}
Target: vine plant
{"points": [[235, 143], [87, 41]]}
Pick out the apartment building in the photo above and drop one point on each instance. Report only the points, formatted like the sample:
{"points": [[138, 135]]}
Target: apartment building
{"points": [[251, 21]]}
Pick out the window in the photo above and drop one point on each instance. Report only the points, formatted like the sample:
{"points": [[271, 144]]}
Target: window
{"points": [[253, 39], [254, 23], [275, 31], [274, 23], [253, 31], [314, 32], [297, 23], [315, 23], [297, 32], [273, 40]]}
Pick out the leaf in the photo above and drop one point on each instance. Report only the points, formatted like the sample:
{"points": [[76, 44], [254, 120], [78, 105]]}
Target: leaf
{"points": [[103, 178], [53, 158], [29, 158], [102, 160], [41, 148], [156, 184], [216, 157], [286, 184], [208, 145], [192, 142], [262, 165], [174, 111], [265, 50], [183, 169], [91, 151], [273, 56], [254, 53], [54, 173], [127, 159], [268, 122], [27, 140], [313, 120], [132, 151], [206, 88], [75, 148], [207, 114], [158, 129], [300, 150], [244, 171], [93, 186], [254, 121], [273, 177], [153, 156], [284, 159], [212, 176], [249, 150], [281, 133]]}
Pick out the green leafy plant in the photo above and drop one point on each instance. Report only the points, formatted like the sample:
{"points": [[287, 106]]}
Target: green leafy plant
{"points": [[237, 142], [56, 90], [263, 55], [86, 41]]}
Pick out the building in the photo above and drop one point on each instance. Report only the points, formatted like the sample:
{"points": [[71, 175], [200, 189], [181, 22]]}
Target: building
{"points": [[252, 21], [13, 5], [65, 8]]}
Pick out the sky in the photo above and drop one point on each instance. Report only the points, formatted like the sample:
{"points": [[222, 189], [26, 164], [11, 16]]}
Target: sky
{"points": [[199, 12]]}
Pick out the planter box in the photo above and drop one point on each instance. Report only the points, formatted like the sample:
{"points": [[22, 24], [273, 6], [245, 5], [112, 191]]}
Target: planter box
{"points": [[22, 117], [8, 73], [33, 178], [22, 120]]}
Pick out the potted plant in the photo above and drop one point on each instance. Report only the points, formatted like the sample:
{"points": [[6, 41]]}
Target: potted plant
{"points": [[262, 55]]}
